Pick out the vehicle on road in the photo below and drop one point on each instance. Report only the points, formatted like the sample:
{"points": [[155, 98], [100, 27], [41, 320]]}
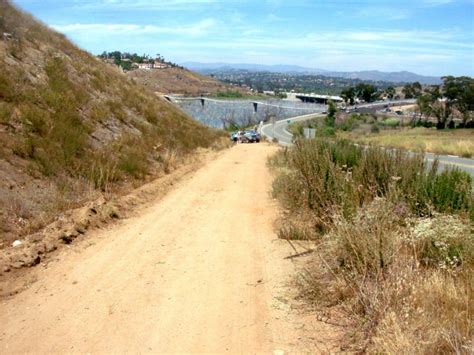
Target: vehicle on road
{"points": [[250, 137]]}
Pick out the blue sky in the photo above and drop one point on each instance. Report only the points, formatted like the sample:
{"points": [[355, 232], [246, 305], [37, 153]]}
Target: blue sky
{"points": [[431, 37]]}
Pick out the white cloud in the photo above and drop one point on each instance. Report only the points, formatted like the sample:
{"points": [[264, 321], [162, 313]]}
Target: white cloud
{"points": [[275, 18], [365, 36], [437, 2], [413, 38], [149, 5], [195, 29], [386, 13]]}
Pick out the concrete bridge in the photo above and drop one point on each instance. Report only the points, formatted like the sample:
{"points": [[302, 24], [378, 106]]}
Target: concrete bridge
{"points": [[319, 99]]}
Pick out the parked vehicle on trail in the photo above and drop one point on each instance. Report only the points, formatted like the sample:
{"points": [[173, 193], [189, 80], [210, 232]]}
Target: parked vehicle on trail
{"points": [[250, 137]]}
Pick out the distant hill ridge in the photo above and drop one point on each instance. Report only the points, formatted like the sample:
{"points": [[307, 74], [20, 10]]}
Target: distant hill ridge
{"points": [[372, 75]]}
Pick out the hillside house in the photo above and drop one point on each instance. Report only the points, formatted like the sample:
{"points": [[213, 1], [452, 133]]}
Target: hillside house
{"points": [[145, 66], [160, 65]]}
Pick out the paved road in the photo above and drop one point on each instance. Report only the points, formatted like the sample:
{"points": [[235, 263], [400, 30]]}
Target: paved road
{"points": [[279, 131]]}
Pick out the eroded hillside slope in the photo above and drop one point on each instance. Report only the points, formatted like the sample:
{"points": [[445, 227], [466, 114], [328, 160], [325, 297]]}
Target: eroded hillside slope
{"points": [[71, 127]]}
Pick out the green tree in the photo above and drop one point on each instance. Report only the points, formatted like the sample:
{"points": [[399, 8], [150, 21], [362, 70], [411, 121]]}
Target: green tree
{"points": [[366, 92], [349, 95], [115, 55], [459, 94], [424, 103], [331, 116], [390, 92], [413, 90], [416, 89], [126, 65], [438, 107], [408, 92]]}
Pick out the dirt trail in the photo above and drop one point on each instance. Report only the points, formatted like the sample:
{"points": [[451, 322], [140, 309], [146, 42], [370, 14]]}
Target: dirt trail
{"points": [[199, 271]]}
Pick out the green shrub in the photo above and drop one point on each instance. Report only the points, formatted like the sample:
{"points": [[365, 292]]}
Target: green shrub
{"points": [[330, 121], [350, 123], [229, 94], [64, 93], [391, 122], [328, 177], [344, 153], [133, 158], [296, 129], [374, 128], [36, 120], [450, 191], [326, 131]]}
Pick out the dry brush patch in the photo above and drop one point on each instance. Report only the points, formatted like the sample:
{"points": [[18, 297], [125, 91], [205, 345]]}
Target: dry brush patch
{"points": [[395, 248]]}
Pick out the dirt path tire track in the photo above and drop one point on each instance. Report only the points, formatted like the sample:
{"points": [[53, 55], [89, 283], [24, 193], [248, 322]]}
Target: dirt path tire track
{"points": [[196, 272]]}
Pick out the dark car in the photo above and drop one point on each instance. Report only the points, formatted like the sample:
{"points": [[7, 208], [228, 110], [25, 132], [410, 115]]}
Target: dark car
{"points": [[250, 137]]}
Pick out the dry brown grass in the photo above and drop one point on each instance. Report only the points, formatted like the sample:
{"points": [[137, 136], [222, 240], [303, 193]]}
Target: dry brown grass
{"points": [[178, 81], [435, 316], [374, 272], [457, 142]]}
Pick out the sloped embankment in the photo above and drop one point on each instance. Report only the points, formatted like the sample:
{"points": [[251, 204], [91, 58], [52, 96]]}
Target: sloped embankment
{"points": [[73, 128]]}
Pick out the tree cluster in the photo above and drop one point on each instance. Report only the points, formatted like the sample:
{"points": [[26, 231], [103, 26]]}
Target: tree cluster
{"points": [[413, 90], [363, 91], [455, 98]]}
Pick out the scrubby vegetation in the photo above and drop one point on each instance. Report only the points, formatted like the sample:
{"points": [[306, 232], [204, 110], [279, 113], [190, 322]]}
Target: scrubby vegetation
{"points": [[237, 94], [394, 132], [391, 131], [394, 244], [66, 119], [229, 94]]}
